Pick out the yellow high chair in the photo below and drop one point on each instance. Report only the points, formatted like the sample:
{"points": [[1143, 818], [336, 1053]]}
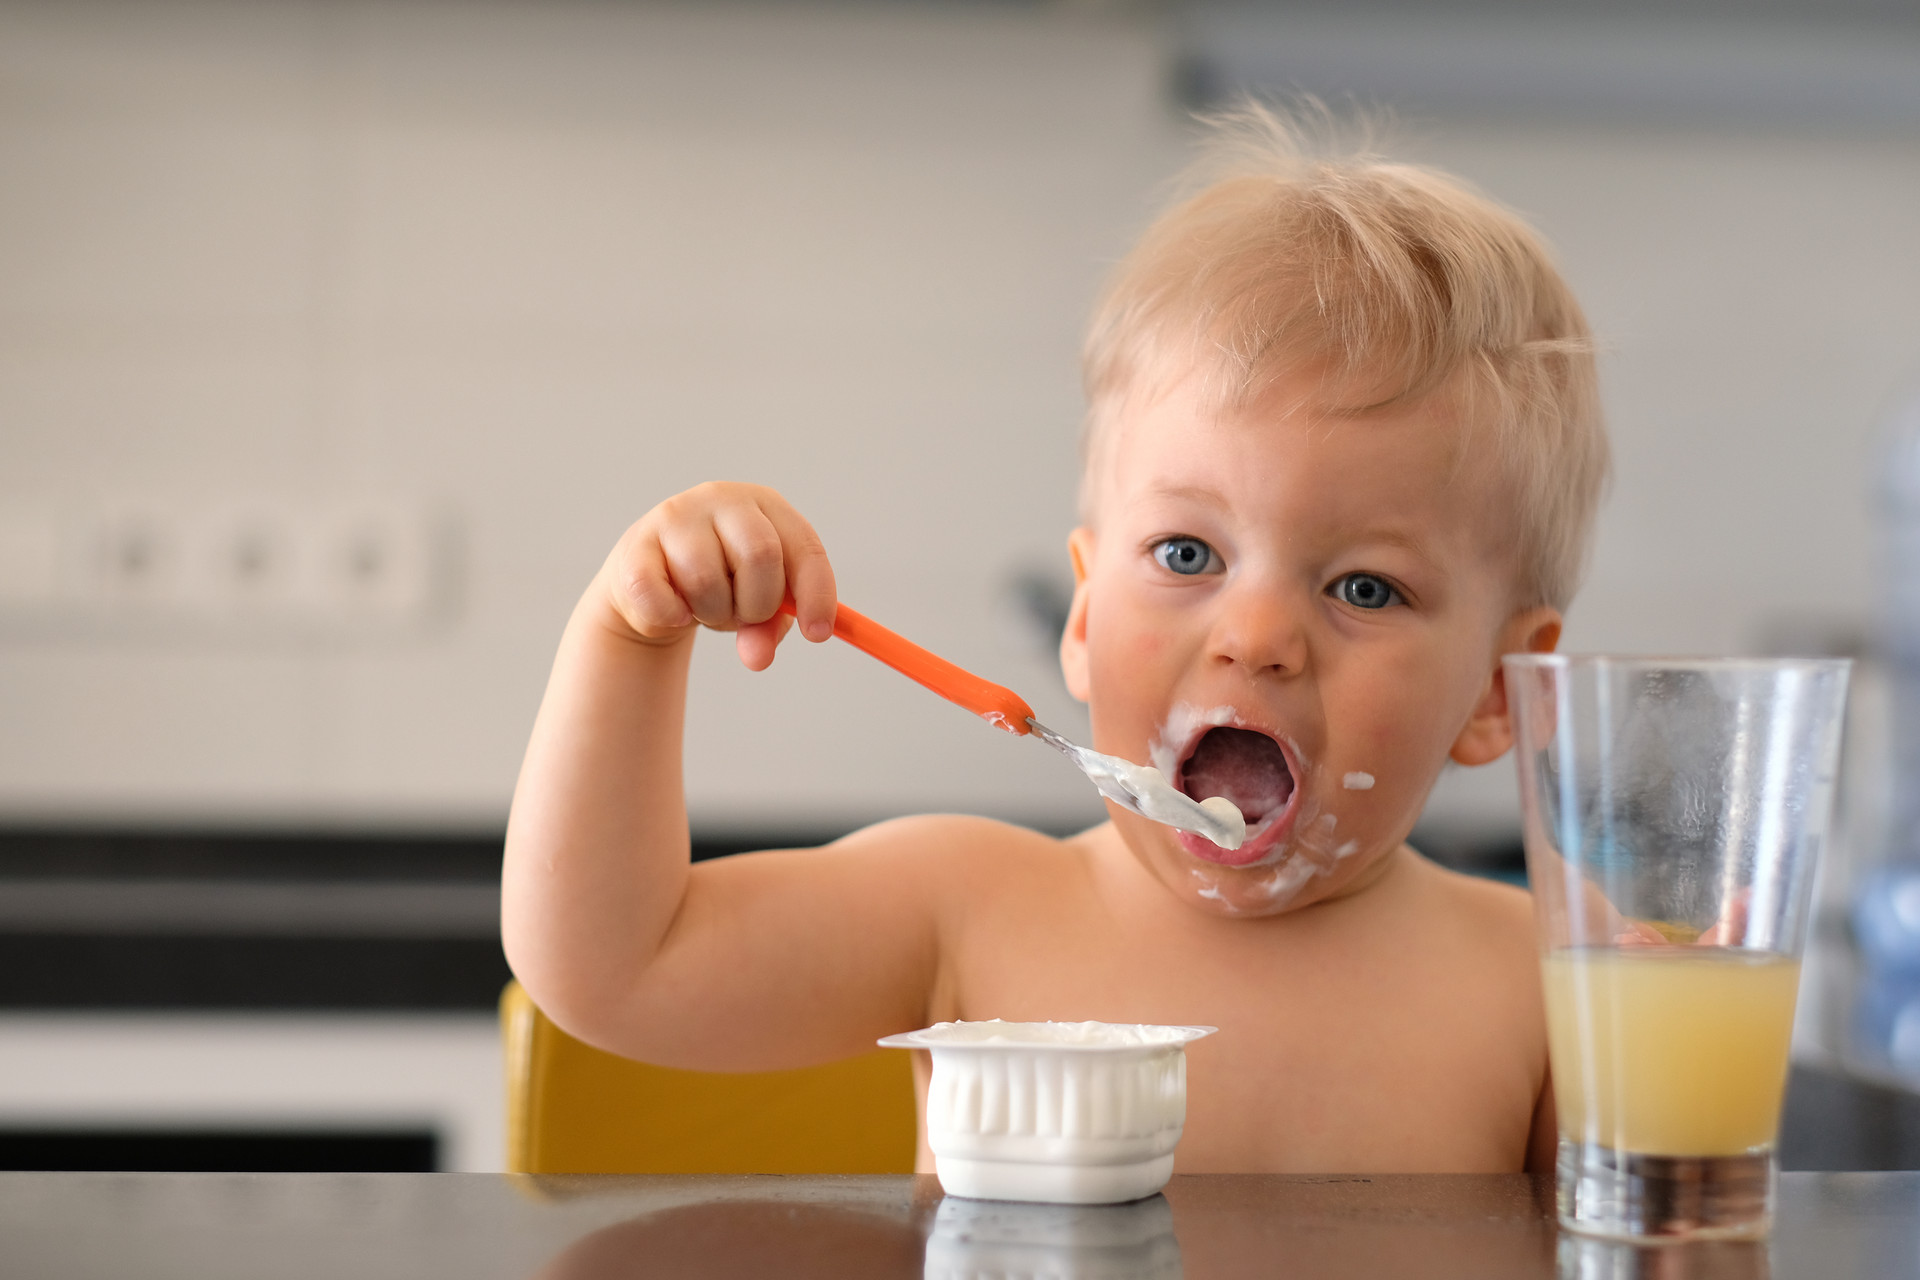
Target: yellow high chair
{"points": [[576, 1109]]}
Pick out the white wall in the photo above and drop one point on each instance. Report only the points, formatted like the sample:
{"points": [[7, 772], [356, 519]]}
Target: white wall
{"points": [[533, 268], [1759, 298], [546, 266]]}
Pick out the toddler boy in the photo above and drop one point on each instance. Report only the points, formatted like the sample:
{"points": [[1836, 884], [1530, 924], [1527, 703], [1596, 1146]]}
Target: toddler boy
{"points": [[1343, 451]]}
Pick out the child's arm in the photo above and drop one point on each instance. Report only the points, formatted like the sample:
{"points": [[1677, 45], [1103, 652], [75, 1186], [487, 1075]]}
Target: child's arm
{"points": [[746, 963]]}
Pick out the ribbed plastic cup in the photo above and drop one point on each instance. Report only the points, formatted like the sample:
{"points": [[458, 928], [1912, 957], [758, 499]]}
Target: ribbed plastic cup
{"points": [[1055, 1112]]}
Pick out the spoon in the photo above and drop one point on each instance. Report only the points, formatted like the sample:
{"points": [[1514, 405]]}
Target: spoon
{"points": [[1140, 789]]}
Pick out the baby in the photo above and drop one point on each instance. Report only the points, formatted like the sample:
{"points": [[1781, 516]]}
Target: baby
{"points": [[1343, 452]]}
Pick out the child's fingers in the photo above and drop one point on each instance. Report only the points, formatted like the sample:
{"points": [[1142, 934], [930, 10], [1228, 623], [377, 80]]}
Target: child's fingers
{"points": [[755, 557], [809, 572], [725, 556], [697, 566], [646, 597], [1731, 928], [756, 642], [1638, 933]]}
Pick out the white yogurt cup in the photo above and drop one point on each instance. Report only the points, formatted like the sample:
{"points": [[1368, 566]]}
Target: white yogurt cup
{"points": [[1058, 1112]]}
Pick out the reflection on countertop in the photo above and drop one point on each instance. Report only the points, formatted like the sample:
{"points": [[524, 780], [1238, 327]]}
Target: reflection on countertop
{"points": [[746, 1238], [1580, 1258], [982, 1238], [1202, 1226], [501, 1227]]}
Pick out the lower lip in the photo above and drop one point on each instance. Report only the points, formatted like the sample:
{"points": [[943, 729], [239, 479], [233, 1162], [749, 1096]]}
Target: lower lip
{"points": [[1257, 847]]}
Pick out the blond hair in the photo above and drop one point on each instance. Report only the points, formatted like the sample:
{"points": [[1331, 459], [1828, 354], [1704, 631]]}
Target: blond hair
{"points": [[1360, 267]]}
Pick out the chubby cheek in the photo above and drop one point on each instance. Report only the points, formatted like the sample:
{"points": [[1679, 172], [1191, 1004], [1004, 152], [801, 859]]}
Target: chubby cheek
{"points": [[1382, 771], [1122, 704], [1402, 716], [1127, 660], [1389, 741], [1115, 650], [1146, 645], [1385, 762]]}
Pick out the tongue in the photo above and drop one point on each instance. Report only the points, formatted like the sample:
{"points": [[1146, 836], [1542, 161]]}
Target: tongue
{"points": [[1247, 768]]}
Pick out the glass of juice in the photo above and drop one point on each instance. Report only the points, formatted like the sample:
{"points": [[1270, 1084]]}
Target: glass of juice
{"points": [[1674, 812]]}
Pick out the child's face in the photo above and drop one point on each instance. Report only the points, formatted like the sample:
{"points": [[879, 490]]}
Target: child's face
{"points": [[1302, 612]]}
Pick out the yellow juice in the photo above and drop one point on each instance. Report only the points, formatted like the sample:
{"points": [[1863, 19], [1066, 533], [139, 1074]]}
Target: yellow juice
{"points": [[1673, 1051]]}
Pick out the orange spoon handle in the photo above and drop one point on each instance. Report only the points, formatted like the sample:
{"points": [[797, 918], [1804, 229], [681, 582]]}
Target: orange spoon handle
{"points": [[995, 704]]}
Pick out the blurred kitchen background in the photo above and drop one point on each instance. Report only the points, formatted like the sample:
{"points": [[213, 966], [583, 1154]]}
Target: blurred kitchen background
{"points": [[339, 342]]}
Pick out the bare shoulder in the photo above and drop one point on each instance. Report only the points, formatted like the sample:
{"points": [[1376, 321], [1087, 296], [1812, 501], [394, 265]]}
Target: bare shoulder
{"points": [[1484, 931], [957, 848], [938, 861], [1500, 915], [948, 834]]}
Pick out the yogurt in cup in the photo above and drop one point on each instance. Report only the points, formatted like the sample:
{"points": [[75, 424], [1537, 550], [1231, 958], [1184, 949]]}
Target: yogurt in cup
{"points": [[1056, 1112]]}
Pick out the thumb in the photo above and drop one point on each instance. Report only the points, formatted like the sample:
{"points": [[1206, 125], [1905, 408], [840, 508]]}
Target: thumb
{"points": [[755, 642]]}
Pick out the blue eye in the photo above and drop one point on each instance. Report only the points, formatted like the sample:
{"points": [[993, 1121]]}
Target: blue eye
{"points": [[1366, 591], [1185, 556]]}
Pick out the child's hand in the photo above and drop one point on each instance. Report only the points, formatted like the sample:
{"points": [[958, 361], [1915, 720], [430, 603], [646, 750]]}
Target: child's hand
{"points": [[1730, 930], [724, 556]]}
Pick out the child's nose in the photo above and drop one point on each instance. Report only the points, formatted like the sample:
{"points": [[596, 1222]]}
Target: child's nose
{"points": [[1259, 628]]}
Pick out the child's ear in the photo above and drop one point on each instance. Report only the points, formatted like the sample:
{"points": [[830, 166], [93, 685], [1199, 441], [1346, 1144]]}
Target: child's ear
{"points": [[1073, 641], [1489, 732]]}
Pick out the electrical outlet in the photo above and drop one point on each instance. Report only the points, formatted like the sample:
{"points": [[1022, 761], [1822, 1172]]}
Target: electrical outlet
{"points": [[246, 562], [246, 566], [375, 562], [132, 560]]}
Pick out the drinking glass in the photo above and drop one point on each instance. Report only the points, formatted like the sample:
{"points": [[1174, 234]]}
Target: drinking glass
{"points": [[1674, 813]]}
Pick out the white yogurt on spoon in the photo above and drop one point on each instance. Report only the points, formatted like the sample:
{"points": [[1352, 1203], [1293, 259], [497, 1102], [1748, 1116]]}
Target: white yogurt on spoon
{"points": [[1145, 790]]}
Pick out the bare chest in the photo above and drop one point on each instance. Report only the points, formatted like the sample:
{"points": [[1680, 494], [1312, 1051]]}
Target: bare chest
{"points": [[1329, 1058]]}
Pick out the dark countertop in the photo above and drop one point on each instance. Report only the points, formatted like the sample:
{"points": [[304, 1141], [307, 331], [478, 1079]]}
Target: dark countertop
{"points": [[264, 1226]]}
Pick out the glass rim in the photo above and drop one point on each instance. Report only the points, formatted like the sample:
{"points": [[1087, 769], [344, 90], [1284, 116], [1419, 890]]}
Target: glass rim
{"points": [[1659, 662]]}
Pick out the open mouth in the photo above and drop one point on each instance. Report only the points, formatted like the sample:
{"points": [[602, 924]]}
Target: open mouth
{"points": [[1248, 768]]}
